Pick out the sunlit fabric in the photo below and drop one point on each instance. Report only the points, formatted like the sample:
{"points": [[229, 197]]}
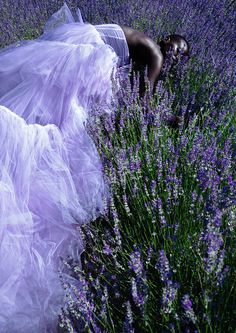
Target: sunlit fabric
{"points": [[51, 177], [114, 36]]}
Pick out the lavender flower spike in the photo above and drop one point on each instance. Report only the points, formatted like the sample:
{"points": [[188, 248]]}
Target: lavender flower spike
{"points": [[188, 308], [163, 266]]}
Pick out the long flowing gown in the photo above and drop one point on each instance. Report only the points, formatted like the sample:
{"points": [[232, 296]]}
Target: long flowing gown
{"points": [[51, 177]]}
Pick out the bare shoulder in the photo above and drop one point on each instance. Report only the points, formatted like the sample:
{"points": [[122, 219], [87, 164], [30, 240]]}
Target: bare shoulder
{"points": [[137, 39], [133, 35], [128, 30]]}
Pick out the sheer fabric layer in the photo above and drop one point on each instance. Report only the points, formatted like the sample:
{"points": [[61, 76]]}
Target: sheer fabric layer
{"points": [[51, 177]]}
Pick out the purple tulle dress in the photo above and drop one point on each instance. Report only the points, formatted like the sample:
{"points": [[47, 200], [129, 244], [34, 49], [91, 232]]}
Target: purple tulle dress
{"points": [[51, 177]]}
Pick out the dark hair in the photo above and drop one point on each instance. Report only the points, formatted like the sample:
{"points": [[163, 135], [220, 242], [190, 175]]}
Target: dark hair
{"points": [[162, 46]]}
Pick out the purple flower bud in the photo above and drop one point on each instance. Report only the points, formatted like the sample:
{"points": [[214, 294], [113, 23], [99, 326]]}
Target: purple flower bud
{"points": [[135, 263], [188, 308], [163, 266]]}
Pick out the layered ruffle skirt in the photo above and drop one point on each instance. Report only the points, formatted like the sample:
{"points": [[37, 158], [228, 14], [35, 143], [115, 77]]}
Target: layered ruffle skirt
{"points": [[51, 177]]}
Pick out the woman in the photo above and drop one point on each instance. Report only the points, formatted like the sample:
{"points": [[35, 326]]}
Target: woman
{"points": [[51, 177], [145, 52]]}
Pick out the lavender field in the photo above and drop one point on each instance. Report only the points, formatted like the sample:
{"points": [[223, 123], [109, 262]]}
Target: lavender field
{"points": [[163, 257]]}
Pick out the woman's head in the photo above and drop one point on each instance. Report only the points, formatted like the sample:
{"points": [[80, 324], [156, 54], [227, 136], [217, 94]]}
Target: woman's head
{"points": [[175, 44]]}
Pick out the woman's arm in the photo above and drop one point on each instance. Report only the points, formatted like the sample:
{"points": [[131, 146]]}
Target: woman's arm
{"points": [[144, 52]]}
